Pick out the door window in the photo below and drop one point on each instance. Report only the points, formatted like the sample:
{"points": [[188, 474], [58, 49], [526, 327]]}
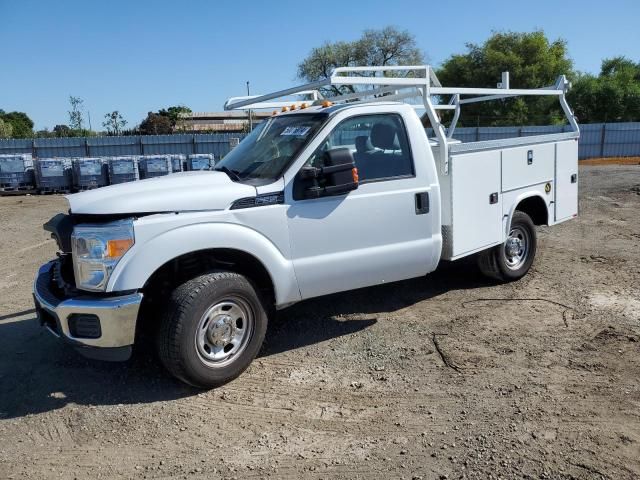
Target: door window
{"points": [[379, 145]]}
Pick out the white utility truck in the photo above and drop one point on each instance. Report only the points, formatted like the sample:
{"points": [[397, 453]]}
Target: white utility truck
{"points": [[322, 197]]}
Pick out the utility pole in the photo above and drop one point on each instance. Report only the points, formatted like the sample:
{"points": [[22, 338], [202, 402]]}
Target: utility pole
{"points": [[250, 116]]}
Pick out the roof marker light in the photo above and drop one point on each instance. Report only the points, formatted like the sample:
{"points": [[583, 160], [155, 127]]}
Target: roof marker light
{"points": [[285, 109], [327, 103], [303, 106], [293, 107]]}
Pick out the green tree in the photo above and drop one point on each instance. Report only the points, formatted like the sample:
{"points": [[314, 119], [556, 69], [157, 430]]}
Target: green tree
{"points": [[114, 122], [44, 133], [612, 96], [76, 113], [21, 124], [174, 114], [6, 129], [532, 60], [388, 46], [155, 124], [62, 131]]}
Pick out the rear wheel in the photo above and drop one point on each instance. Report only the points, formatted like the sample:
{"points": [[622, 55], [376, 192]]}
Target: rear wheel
{"points": [[212, 330], [513, 259]]}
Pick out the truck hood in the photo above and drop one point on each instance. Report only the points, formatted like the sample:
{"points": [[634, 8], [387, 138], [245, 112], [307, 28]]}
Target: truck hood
{"points": [[178, 192]]}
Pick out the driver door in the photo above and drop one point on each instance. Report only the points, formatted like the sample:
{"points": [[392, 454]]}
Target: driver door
{"points": [[378, 233]]}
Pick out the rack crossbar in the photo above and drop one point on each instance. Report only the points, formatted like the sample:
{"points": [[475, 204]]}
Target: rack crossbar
{"points": [[389, 83]]}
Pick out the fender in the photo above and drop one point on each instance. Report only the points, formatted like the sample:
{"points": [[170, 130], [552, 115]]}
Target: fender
{"points": [[142, 260], [516, 202]]}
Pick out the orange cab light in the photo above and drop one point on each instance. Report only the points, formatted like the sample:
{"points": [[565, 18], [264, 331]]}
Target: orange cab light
{"points": [[117, 248], [293, 107], [275, 112], [354, 174], [285, 109], [327, 103], [303, 106]]}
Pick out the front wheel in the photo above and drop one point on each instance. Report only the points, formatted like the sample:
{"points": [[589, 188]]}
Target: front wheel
{"points": [[212, 330], [513, 259]]}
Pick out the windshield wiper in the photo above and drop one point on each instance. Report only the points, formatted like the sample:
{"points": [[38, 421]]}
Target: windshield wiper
{"points": [[233, 175]]}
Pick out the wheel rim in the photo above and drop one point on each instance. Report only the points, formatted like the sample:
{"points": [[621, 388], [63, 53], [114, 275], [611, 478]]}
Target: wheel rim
{"points": [[516, 248], [224, 331]]}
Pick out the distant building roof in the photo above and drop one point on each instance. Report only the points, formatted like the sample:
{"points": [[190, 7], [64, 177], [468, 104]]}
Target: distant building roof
{"points": [[231, 114], [228, 121]]}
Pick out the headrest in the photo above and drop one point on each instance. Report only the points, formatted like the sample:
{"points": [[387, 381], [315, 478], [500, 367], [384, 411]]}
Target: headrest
{"points": [[363, 144], [384, 136]]}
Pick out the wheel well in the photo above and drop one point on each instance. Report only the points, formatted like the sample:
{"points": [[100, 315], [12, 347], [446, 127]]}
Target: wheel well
{"points": [[536, 209], [185, 267]]}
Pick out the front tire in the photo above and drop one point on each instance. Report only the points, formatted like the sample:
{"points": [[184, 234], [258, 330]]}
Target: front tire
{"points": [[511, 260], [212, 329]]}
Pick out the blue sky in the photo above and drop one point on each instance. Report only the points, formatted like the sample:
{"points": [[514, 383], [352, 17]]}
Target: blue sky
{"points": [[139, 56]]}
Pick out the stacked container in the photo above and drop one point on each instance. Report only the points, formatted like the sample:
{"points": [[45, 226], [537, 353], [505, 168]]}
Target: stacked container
{"points": [[89, 173], [177, 162], [123, 169], [154, 166], [16, 172], [201, 161], [53, 174]]}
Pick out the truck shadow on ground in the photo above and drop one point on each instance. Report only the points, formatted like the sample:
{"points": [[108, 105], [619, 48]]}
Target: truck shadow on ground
{"points": [[39, 374], [319, 319]]}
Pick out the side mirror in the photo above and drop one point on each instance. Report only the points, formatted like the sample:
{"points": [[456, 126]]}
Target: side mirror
{"points": [[339, 175]]}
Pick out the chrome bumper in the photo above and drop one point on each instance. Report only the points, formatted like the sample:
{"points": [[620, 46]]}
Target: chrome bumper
{"points": [[117, 315]]}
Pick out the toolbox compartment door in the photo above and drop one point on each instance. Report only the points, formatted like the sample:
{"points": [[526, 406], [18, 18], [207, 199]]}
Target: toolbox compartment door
{"points": [[566, 180], [527, 165], [476, 201]]}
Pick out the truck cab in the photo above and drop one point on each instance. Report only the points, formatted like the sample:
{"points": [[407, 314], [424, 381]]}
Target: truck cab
{"points": [[324, 196]]}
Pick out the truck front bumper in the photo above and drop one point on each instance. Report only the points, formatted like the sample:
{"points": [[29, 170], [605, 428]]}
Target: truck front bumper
{"points": [[101, 327]]}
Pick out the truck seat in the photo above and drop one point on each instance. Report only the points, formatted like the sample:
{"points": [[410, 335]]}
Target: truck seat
{"points": [[363, 147], [390, 159]]}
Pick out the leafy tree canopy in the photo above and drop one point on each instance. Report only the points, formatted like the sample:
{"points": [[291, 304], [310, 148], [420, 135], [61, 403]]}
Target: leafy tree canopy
{"points": [[532, 60], [6, 129], [114, 123], [155, 124], [173, 114], [62, 131], [612, 96], [21, 124], [389, 46], [76, 114]]}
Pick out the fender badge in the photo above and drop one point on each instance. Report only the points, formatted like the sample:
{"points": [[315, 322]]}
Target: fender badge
{"points": [[547, 188]]}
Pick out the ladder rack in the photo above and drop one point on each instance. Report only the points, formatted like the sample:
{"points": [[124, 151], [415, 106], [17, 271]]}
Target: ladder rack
{"points": [[397, 83]]}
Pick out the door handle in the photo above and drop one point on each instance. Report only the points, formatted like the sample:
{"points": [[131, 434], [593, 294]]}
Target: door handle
{"points": [[422, 203]]}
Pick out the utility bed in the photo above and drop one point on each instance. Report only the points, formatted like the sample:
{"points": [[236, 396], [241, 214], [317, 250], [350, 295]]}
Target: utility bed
{"points": [[485, 180]]}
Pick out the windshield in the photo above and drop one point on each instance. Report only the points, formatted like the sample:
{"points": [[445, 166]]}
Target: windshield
{"points": [[270, 148]]}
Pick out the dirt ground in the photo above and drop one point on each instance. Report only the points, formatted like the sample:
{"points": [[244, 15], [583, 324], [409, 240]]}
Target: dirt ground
{"points": [[447, 376]]}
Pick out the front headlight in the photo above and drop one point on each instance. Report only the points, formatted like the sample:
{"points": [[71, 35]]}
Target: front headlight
{"points": [[96, 251]]}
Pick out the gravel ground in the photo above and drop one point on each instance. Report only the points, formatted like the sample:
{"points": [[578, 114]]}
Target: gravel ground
{"points": [[447, 376]]}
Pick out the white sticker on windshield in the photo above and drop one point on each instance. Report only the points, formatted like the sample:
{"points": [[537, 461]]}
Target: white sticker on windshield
{"points": [[297, 131]]}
